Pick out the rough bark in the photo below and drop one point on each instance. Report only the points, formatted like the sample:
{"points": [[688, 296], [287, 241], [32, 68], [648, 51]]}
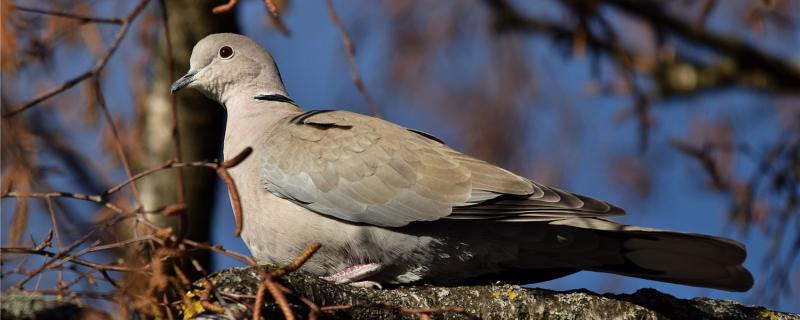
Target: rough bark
{"points": [[497, 301], [23, 306], [201, 124]]}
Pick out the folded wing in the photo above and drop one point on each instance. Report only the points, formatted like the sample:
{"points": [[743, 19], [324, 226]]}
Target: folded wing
{"points": [[366, 170]]}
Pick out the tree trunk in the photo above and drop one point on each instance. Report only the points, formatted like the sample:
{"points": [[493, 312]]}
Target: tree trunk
{"points": [[201, 125]]}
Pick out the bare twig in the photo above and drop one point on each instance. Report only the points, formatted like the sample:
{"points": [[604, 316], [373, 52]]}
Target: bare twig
{"points": [[747, 57], [75, 293], [299, 261], [279, 297], [276, 290], [225, 7], [781, 76], [276, 17], [101, 100], [56, 194], [221, 170], [236, 201], [351, 60], [262, 289], [219, 249], [168, 164], [704, 156], [165, 302], [64, 252], [54, 230], [237, 159], [94, 71], [123, 243], [164, 242], [45, 253], [176, 137], [708, 7], [272, 8], [70, 15], [205, 298]]}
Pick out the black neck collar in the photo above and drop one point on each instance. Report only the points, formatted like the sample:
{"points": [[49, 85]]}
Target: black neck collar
{"points": [[274, 97]]}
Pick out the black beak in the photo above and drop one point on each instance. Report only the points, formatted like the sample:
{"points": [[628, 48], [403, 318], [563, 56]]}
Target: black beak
{"points": [[184, 81]]}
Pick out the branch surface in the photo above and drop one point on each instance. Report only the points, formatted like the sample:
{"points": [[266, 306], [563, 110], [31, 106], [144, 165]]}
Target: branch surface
{"points": [[237, 286]]}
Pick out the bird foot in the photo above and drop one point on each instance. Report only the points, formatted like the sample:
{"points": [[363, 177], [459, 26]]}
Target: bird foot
{"points": [[366, 284], [353, 274]]}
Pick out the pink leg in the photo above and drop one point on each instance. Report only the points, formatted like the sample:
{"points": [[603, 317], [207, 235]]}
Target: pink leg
{"points": [[354, 273]]}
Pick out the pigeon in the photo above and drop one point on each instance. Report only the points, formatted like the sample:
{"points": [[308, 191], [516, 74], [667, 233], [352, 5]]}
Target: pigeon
{"points": [[395, 206]]}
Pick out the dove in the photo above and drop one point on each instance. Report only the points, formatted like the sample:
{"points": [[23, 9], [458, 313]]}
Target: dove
{"points": [[396, 206]]}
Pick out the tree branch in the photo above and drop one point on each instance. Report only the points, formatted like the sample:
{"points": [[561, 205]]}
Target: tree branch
{"points": [[98, 67], [783, 74], [475, 302]]}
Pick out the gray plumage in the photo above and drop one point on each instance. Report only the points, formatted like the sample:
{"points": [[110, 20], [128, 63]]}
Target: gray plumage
{"points": [[392, 205]]}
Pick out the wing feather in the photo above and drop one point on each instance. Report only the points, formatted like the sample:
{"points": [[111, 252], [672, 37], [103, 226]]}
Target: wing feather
{"points": [[366, 170]]}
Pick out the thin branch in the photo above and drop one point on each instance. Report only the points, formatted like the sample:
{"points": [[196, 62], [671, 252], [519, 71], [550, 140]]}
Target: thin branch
{"points": [[703, 154], [63, 253], [268, 284], [165, 302], [101, 100], [205, 297], [279, 297], [708, 7], [56, 231], [219, 249], [86, 263], [176, 137], [94, 71], [89, 294], [166, 165], [70, 15], [221, 169], [122, 243], [224, 7], [183, 219], [56, 194], [103, 199], [262, 289], [783, 74], [299, 261], [236, 201], [272, 8], [276, 17], [169, 164], [351, 60]]}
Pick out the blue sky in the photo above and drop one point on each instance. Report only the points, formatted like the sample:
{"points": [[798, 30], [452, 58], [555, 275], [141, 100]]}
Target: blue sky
{"points": [[313, 66]]}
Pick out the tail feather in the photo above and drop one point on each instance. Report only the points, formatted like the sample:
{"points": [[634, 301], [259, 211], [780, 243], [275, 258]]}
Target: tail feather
{"points": [[682, 258]]}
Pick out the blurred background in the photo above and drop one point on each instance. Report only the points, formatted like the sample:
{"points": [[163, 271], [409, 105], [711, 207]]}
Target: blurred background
{"points": [[685, 113]]}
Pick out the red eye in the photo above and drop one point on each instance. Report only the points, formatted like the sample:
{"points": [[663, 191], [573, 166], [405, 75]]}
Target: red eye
{"points": [[225, 52]]}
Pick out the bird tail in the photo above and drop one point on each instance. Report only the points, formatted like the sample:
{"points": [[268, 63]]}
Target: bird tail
{"points": [[682, 258]]}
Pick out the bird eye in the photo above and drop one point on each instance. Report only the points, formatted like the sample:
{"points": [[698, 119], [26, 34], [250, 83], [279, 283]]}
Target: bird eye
{"points": [[225, 52]]}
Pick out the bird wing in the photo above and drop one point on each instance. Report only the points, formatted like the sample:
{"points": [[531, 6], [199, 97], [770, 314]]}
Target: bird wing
{"points": [[366, 170]]}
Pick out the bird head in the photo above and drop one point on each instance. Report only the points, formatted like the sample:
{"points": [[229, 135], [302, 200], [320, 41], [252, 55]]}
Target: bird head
{"points": [[225, 64]]}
